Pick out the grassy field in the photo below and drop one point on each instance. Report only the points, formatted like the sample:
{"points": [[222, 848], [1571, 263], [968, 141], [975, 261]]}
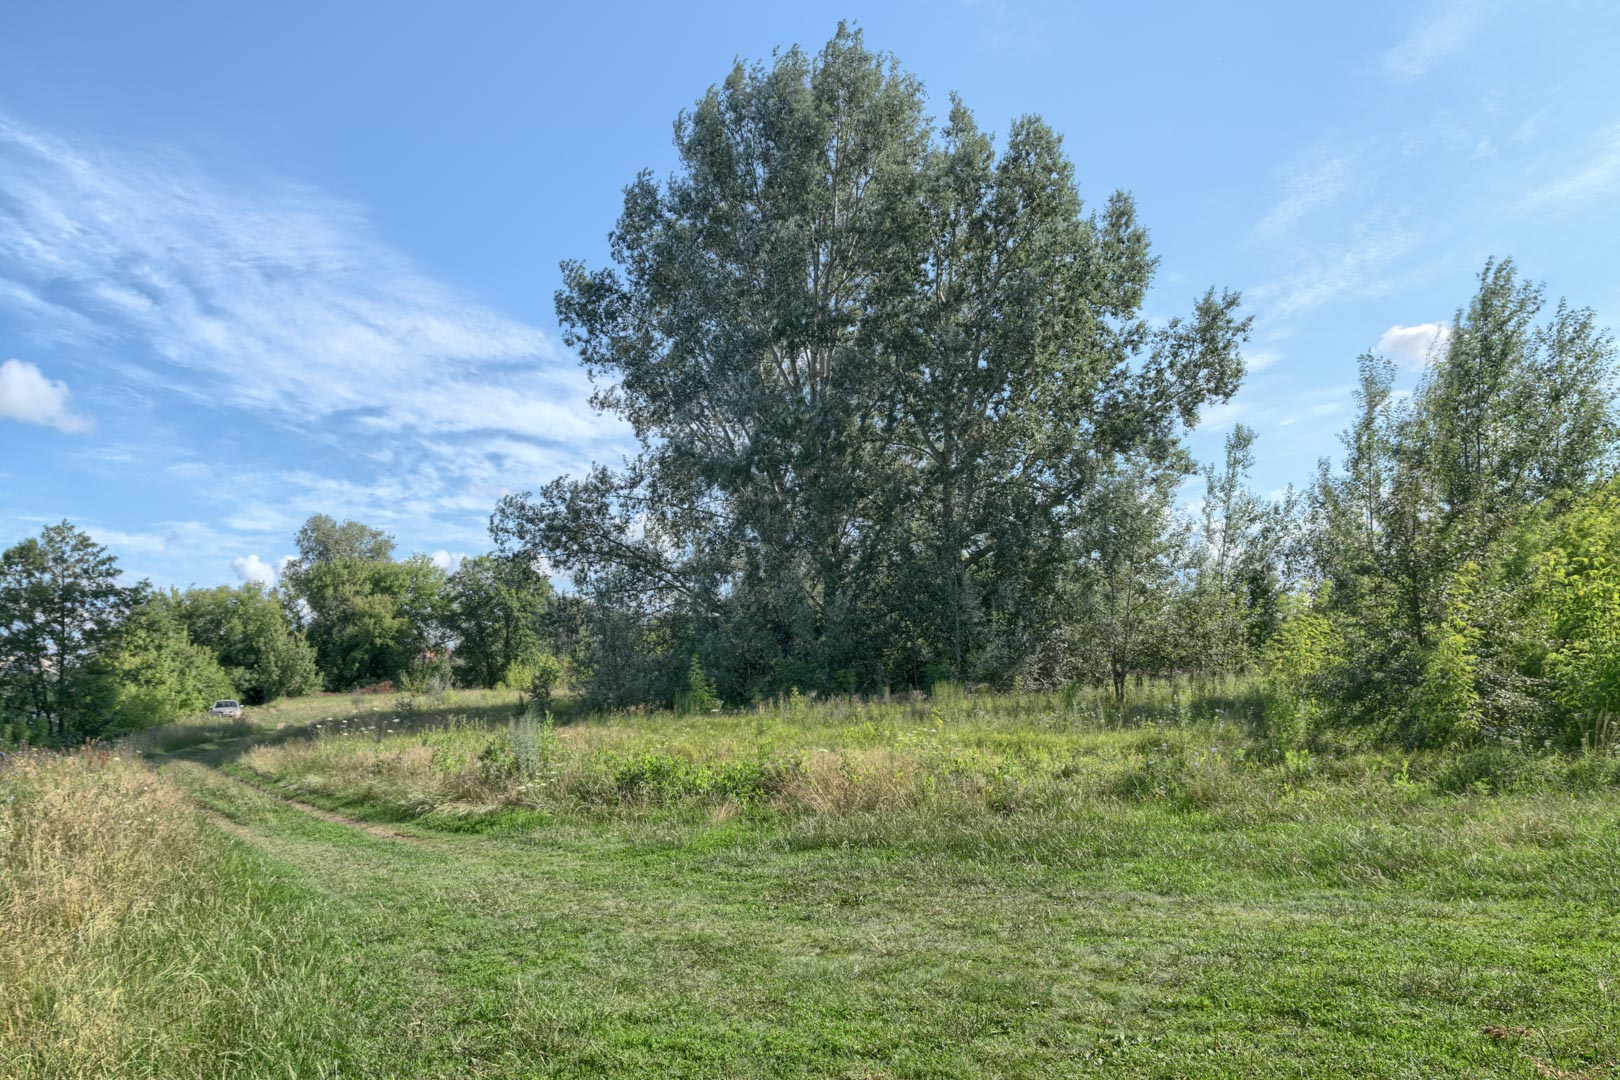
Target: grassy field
{"points": [[991, 885]]}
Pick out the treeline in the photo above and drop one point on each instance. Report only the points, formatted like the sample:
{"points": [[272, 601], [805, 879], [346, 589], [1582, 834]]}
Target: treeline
{"points": [[370, 619], [903, 419], [1454, 577], [83, 655]]}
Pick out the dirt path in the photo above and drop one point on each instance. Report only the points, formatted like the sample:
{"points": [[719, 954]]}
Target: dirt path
{"points": [[203, 781]]}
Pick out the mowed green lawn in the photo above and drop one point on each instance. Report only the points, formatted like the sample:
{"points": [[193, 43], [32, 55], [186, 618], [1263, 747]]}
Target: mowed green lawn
{"points": [[1359, 924]]}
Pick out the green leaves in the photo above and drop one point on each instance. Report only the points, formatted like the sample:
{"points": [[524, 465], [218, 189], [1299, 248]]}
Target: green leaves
{"points": [[494, 607], [1430, 532], [152, 673], [61, 601], [247, 629], [876, 370], [1579, 586], [370, 619]]}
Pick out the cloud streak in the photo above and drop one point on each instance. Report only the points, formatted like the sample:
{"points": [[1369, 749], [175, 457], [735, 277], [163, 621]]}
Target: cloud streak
{"points": [[1317, 181], [279, 297], [1435, 39], [1357, 266], [1598, 176]]}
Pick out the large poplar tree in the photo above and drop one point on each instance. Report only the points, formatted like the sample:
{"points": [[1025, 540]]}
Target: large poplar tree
{"points": [[876, 369]]}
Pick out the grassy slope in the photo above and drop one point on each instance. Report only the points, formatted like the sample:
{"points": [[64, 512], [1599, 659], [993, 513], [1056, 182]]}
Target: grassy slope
{"points": [[1329, 928]]}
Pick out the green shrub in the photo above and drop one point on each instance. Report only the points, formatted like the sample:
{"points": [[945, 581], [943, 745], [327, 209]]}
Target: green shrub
{"points": [[1579, 585], [538, 675], [699, 695], [660, 778], [1446, 709], [529, 750], [1304, 648]]}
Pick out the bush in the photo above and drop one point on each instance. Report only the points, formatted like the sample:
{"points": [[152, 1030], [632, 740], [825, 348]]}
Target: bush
{"points": [[1446, 709], [529, 750], [1305, 646], [152, 676], [539, 675], [699, 695], [1579, 583]]}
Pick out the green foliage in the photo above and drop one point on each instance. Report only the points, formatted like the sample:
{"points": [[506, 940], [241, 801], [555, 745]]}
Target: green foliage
{"points": [[527, 751], [878, 372], [322, 540], [247, 630], [1432, 534], [1297, 661], [538, 675], [152, 674], [1120, 596], [61, 603], [1240, 568], [699, 695], [1446, 709], [495, 608], [370, 619], [1579, 579]]}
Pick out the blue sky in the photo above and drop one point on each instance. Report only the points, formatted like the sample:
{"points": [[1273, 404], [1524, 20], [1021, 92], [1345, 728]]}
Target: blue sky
{"points": [[263, 260]]}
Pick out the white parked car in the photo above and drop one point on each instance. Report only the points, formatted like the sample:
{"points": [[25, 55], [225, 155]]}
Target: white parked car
{"points": [[226, 707]]}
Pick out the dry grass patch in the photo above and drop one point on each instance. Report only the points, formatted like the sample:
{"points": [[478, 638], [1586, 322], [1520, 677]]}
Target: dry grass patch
{"points": [[133, 943]]}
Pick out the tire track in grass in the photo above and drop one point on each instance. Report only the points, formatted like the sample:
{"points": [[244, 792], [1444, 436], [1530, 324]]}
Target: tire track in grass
{"points": [[218, 794]]}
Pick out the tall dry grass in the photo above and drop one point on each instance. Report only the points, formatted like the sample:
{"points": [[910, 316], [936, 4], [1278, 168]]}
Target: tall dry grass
{"points": [[132, 940], [951, 752], [87, 841]]}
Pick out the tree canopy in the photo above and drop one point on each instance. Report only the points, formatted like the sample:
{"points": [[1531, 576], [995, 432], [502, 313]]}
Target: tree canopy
{"points": [[877, 369]]}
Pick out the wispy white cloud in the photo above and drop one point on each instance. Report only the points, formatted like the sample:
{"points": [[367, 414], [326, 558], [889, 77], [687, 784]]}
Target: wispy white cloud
{"points": [[405, 402], [1597, 176], [1002, 27], [279, 297], [201, 547], [27, 395], [1316, 180], [1436, 38], [183, 552], [1271, 410], [1222, 415], [1355, 266], [1260, 359], [1413, 346]]}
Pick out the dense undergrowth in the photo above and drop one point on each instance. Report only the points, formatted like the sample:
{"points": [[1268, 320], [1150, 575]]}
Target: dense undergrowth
{"points": [[952, 751]]}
